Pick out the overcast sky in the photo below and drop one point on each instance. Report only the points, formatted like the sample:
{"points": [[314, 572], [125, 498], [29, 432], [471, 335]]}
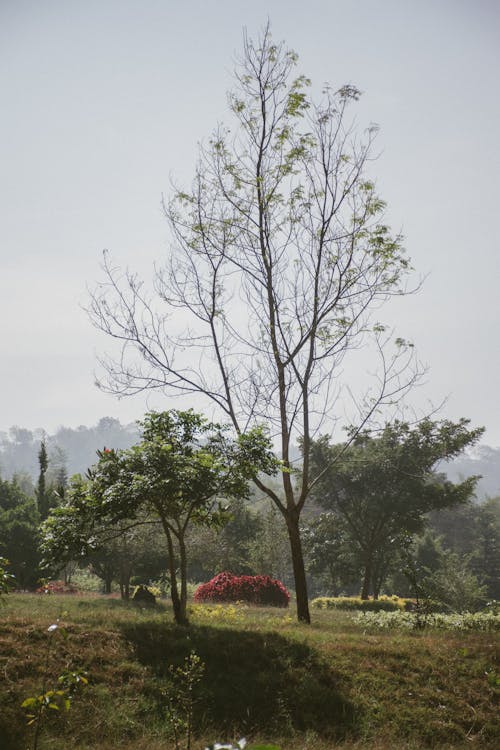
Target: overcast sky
{"points": [[102, 101]]}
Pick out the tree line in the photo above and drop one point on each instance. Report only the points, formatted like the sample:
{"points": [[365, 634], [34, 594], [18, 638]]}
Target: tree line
{"points": [[178, 506]]}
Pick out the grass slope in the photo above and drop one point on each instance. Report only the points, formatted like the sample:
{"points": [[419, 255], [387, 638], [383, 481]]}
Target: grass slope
{"points": [[324, 686]]}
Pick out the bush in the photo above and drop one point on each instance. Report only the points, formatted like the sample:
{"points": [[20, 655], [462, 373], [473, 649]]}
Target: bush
{"points": [[480, 621], [384, 604], [57, 587], [227, 587]]}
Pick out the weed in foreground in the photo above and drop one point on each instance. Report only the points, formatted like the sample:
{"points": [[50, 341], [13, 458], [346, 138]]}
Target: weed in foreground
{"points": [[180, 699], [39, 707]]}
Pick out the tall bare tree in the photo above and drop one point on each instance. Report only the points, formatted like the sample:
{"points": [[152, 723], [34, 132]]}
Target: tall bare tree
{"points": [[280, 256]]}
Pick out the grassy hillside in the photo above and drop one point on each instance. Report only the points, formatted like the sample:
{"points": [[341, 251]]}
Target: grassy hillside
{"points": [[266, 677]]}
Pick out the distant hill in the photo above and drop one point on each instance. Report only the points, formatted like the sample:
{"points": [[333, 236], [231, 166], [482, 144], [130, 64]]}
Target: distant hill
{"points": [[482, 460], [73, 449]]}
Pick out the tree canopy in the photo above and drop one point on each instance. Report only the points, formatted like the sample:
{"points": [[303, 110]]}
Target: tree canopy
{"points": [[180, 473], [383, 485]]}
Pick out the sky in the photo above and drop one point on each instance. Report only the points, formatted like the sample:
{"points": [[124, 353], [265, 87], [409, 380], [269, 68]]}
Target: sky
{"points": [[103, 102]]}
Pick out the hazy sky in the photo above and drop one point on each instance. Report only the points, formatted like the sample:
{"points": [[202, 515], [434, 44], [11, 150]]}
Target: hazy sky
{"points": [[102, 101]]}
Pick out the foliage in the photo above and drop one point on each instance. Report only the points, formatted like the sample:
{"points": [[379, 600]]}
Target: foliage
{"points": [[330, 554], [472, 532], [39, 707], [228, 548], [269, 552], [48, 495], [19, 522], [486, 621], [382, 604], [454, 586], [180, 698], [178, 475], [7, 580], [260, 590], [383, 486]]}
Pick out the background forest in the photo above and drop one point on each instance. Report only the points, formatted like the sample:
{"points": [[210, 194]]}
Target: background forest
{"points": [[456, 550]]}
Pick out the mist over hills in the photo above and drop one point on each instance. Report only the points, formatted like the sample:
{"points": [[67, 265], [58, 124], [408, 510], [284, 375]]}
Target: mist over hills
{"points": [[482, 460], [75, 450]]}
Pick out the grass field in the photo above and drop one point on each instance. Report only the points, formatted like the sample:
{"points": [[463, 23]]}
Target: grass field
{"points": [[266, 677]]}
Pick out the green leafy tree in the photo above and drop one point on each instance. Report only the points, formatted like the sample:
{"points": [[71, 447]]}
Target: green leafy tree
{"points": [[473, 532], [6, 578], [453, 584], [19, 522], [330, 553], [42, 496], [486, 554], [75, 535], [270, 551], [383, 486], [178, 475], [216, 549], [281, 256]]}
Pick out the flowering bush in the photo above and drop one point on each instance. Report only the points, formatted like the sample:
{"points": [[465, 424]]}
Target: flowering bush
{"points": [[227, 587], [57, 587]]}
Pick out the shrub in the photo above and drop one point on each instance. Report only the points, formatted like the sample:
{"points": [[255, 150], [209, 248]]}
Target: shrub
{"points": [[227, 587], [481, 621], [57, 587], [6, 578], [384, 604]]}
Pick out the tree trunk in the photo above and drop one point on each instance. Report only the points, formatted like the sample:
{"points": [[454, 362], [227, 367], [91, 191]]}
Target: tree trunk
{"points": [[108, 581], [367, 577], [377, 578], [179, 615], [125, 573], [299, 572], [183, 571]]}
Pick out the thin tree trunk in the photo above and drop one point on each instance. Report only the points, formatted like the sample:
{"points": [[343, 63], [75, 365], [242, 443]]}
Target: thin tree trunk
{"points": [[108, 580], [179, 616], [299, 572], [183, 571], [377, 579], [124, 581], [367, 577]]}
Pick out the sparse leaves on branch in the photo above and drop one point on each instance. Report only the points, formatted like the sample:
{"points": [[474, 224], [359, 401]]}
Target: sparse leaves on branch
{"points": [[280, 256]]}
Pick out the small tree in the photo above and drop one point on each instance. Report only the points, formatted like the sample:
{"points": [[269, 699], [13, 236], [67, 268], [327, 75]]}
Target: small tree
{"points": [[19, 538], [384, 485], [42, 496], [177, 475]]}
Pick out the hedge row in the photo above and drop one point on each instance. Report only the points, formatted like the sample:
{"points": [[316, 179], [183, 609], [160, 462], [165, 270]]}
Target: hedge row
{"points": [[227, 587], [383, 604]]}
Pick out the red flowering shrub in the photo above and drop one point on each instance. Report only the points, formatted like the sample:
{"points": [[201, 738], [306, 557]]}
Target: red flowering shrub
{"points": [[227, 587], [57, 587]]}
